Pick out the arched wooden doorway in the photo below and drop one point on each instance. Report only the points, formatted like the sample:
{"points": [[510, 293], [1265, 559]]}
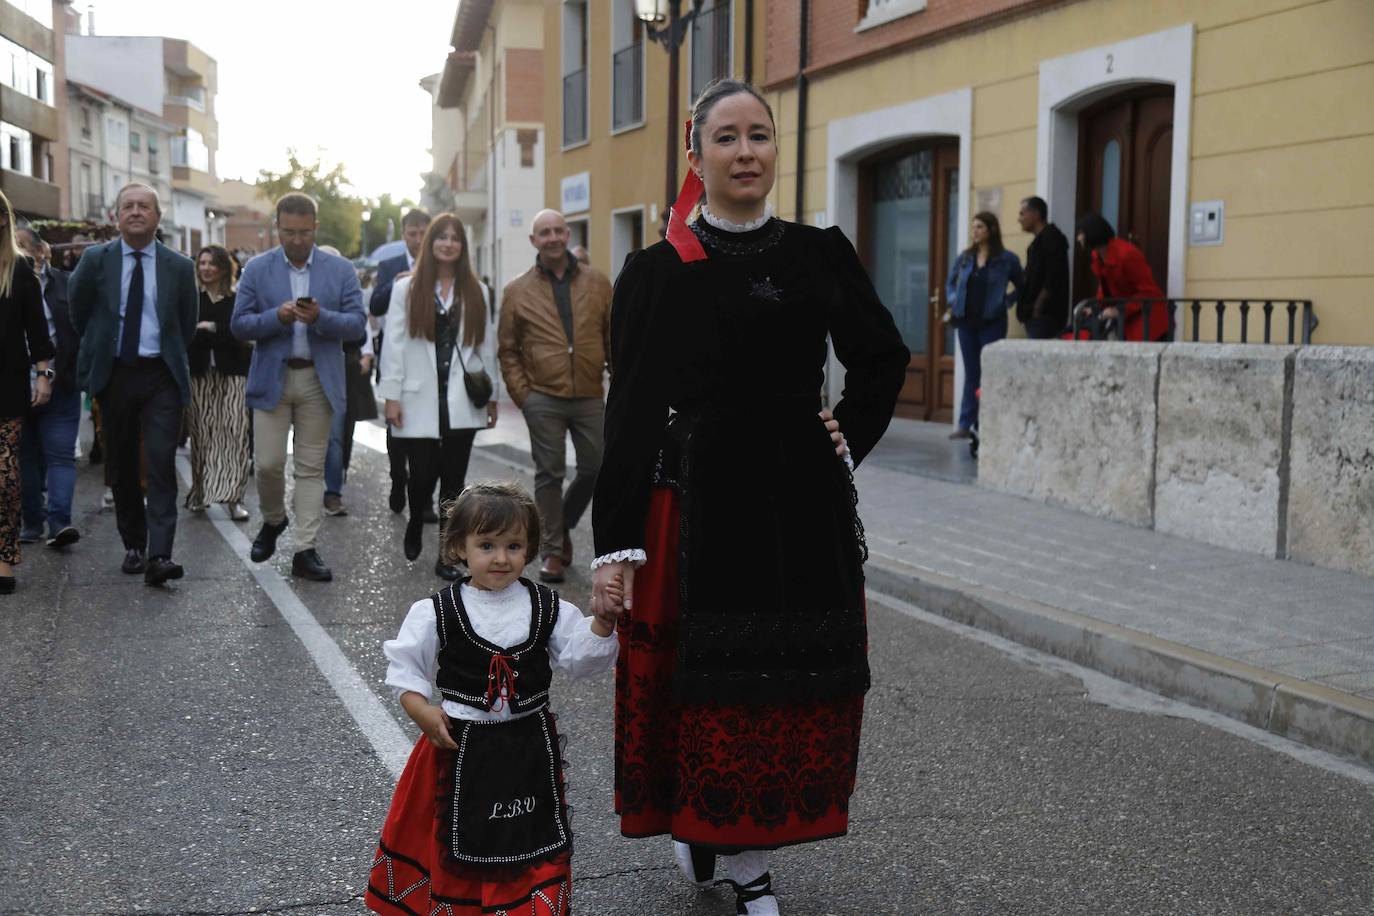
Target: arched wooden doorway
{"points": [[907, 227], [1125, 150]]}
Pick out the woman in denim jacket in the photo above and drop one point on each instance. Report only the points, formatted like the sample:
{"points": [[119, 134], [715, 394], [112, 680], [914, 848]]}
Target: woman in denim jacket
{"points": [[979, 299]]}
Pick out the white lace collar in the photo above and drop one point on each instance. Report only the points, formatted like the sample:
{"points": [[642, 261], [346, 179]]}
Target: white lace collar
{"points": [[725, 225]]}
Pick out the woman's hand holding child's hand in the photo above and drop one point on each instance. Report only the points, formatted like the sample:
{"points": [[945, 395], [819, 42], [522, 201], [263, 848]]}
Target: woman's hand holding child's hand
{"points": [[606, 613], [432, 720]]}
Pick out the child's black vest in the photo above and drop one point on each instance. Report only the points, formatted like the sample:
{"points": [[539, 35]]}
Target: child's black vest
{"points": [[483, 675]]}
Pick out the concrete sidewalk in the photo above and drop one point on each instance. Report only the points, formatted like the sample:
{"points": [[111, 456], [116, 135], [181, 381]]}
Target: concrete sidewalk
{"points": [[1280, 645]]}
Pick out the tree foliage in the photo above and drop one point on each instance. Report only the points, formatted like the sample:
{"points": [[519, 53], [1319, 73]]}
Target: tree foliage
{"points": [[340, 210], [384, 209]]}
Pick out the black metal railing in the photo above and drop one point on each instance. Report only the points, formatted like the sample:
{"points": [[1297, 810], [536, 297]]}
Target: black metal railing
{"points": [[627, 93], [575, 107], [710, 46], [94, 208], [1088, 315]]}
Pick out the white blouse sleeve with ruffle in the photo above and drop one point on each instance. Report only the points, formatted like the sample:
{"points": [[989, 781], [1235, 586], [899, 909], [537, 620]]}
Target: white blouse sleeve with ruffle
{"points": [[574, 648], [413, 656]]}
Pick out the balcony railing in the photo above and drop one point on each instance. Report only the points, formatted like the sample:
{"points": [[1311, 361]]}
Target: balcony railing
{"points": [[1087, 317], [575, 107], [710, 46], [94, 208], [627, 73], [185, 101]]}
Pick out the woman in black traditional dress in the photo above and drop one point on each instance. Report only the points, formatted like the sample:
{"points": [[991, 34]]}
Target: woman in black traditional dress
{"points": [[722, 502]]}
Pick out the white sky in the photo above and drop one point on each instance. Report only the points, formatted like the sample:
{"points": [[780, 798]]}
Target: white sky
{"points": [[338, 77]]}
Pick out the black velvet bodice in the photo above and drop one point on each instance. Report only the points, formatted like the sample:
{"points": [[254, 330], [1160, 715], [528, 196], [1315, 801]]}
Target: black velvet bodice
{"points": [[717, 368]]}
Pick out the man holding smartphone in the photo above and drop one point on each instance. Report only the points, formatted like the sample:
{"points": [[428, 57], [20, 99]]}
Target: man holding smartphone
{"points": [[298, 304]]}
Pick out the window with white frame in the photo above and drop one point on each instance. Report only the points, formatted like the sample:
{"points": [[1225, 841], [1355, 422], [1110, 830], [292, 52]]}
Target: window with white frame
{"points": [[711, 44], [190, 152], [38, 10], [116, 133], [574, 72], [25, 72], [627, 66], [16, 148], [879, 12], [42, 79]]}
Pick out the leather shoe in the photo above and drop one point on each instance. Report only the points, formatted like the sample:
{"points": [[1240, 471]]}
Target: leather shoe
{"points": [[446, 572], [6, 585], [308, 565], [265, 544], [414, 530], [133, 562], [398, 496], [567, 547], [431, 517], [551, 570], [960, 434], [30, 536], [68, 535], [160, 569]]}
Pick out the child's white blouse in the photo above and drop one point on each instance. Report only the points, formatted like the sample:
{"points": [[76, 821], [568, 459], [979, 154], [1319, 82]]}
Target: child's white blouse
{"points": [[501, 618]]}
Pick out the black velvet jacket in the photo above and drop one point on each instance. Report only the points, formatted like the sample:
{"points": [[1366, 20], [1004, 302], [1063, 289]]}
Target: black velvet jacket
{"points": [[771, 549], [232, 356]]}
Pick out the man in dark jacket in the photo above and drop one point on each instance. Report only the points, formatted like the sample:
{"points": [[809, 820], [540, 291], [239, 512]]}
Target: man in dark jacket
{"points": [[1044, 303], [47, 450], [135, 304], [413, 226]]}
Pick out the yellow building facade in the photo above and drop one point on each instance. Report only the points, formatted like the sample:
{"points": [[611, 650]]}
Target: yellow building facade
{"points": [[1247, 124]]}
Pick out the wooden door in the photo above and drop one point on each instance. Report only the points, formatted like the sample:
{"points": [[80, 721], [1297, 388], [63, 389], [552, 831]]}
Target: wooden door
{"points": [[1125, 165], [908, 211]]}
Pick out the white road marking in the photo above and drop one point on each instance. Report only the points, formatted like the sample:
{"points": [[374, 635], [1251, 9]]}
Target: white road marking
{"points": [[390, 743], [1118, 694]]}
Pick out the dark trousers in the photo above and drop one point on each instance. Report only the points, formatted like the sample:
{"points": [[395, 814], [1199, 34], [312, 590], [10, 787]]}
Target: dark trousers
{"points": [[443, 460], [47, 458], [1043, 328], [971, 344], [143, 398]]}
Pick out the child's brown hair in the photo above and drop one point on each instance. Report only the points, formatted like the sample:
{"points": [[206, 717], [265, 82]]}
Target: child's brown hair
{"points": [[489, 508]]}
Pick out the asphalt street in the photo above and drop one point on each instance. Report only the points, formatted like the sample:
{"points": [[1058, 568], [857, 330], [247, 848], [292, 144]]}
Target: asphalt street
{"points": [[180, 751]]}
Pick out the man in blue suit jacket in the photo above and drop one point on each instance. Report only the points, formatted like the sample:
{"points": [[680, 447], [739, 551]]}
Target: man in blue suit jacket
{"points": [[135, 305], [297, 304], [413, 226]]}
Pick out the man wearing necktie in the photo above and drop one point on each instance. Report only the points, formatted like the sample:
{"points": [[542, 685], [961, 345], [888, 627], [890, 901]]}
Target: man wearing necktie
{"points": [[135, 305]]}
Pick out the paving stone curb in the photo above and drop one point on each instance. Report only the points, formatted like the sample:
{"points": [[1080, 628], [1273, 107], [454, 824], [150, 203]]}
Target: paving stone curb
{"points": [[1295, 709]]}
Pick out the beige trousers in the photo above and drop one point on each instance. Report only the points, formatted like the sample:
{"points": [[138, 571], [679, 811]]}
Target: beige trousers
{"points": [[303, 406]]}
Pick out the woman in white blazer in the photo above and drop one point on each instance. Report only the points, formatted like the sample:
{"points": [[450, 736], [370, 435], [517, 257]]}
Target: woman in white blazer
{"points": [[438, 326]]}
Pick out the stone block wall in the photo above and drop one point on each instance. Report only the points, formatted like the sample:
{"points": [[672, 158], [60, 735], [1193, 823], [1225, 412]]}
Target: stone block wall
{"points": [[1331, 497], [1221, 468], [1072, 424], [1264, 449]]}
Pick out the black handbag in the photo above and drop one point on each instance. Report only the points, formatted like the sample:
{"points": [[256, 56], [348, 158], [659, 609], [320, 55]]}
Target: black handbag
{"points": [[478, 384]]}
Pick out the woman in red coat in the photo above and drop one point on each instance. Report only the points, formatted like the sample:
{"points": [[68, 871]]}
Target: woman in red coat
{"points": [[1123, 273]]}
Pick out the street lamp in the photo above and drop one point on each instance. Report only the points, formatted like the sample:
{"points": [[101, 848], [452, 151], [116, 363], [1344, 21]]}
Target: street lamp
{"points": [[665, 23]]}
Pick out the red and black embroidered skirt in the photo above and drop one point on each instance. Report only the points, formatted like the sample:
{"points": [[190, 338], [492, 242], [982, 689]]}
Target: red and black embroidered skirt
{"points": [[755, 776], [414, 872]]}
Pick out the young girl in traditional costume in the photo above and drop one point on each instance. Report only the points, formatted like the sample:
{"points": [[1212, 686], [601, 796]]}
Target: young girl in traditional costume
{"points": [[726, 512], [478, 823]]}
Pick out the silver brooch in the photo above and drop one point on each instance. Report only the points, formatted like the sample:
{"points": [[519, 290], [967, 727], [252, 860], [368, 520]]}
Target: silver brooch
{"points": [[764, 289]]}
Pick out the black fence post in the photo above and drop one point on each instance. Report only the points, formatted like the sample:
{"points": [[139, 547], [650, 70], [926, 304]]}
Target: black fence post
{"points": [[1268, 318], [1244, 321], [1221, 318], [1197, 319], [1292, 321]]}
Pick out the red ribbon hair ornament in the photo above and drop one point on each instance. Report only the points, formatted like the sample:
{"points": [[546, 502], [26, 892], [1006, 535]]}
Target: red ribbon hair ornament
{"points": [[680, 235]]}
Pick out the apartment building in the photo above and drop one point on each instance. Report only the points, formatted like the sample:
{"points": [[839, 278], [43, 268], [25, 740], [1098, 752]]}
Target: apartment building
{"points": [[171, 83], [32, 102], [607, 164], [1219, 137], [489, 137]]}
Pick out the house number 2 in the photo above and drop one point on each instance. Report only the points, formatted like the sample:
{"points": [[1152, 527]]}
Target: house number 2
{"points": [[1111, 59]]}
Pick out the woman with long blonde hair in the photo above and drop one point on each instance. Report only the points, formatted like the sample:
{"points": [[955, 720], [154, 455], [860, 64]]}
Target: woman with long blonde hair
{"points": [[218, 421], [438, 371], [25, 343]]}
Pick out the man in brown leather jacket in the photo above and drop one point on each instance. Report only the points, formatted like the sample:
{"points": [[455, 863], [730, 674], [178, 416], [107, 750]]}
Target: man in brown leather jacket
{"points": [[554, 340]]}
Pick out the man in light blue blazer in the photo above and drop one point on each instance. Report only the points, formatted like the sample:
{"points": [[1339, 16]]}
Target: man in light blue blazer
{"points": [[134, 304], [297, 304]]}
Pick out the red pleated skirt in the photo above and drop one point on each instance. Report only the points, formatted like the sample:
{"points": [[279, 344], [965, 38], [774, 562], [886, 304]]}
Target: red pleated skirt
{"points": [[755, 776], [413, 873]]}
